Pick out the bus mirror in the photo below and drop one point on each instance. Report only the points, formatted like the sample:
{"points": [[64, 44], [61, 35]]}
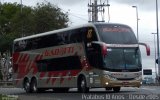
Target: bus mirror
{"points": [[147, 48], [104, 49], [156, 61], [100, 47]]}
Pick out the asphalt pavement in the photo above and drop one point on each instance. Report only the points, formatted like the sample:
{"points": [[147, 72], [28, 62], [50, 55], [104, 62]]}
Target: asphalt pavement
{"points": [[126, 93]]}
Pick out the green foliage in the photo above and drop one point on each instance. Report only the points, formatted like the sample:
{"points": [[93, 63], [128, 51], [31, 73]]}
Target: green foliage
{"points": [[1, 75], [23, 22], [31, 20], [46, 23], [6, 41], [8, 97]]}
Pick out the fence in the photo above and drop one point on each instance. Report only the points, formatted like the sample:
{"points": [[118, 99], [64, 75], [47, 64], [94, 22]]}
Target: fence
{"points": [[6, 83], [5, 67]]}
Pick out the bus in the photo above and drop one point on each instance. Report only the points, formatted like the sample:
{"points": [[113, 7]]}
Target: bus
{"points": [[94, 55]]}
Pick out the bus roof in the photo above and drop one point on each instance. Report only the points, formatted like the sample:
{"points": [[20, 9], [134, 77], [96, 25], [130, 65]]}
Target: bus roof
{"points": [[61, 30]]}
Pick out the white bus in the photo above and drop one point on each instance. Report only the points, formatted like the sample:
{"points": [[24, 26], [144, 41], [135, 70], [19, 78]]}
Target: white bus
{"points": [[94, 55]]}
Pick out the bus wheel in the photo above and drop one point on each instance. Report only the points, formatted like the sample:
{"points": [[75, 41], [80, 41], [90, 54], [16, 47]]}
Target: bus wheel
{"points": [[40, 90], [116, 89], [27, 86], [82, 85], [108, 88], [65, 90], [33, 85]]}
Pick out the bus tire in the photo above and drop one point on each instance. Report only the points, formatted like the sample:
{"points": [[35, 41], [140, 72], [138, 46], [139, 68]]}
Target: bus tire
{"points": [[40, 90], [26, 86], [33, 85], [116, 89], [108, 88], [82, 85]]}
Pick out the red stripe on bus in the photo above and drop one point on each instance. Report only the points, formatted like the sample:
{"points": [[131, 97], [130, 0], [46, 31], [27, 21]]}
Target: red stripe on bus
{"points": [[27, 58], [53, 80], [21, 71], [50, 76], [55, 74], [35, 70], [15, 57], [24, 57], [21, 67], [74, 73], [41, 57], [20, 58], [42, 74], [33, 66], [63, 73]]}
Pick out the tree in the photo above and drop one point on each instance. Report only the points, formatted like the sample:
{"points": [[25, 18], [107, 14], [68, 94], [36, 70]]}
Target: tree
{"points": [[6, 42], [9, 24], [48, 17], [32, 20], [7, 12], [23, 22]]}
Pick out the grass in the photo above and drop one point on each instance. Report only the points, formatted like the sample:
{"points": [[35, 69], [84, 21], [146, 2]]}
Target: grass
{"points": [[8, 97]]}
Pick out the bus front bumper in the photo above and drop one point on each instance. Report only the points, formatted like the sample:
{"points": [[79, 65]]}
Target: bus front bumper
{"points": [[106, 82]]}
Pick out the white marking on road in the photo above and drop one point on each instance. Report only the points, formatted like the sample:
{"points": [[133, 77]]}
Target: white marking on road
{"points": [[148, 88]]}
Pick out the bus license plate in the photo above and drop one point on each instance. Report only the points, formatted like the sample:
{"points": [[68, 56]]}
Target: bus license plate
{"points": [[125, 83]]}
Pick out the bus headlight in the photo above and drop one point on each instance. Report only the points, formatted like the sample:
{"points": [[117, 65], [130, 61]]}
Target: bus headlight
{"points": [[107, 83], [91, 80], [139, 77], [110, 77], [91, 73]]}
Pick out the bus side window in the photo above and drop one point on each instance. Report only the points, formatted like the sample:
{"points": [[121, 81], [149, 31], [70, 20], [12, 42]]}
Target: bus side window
{"points": [[65, 37], [42, 66], [75, 36], [50, 40], [58, 64]]}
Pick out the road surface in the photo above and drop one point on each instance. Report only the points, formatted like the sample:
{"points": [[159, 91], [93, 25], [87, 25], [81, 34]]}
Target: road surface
{"points": [[126, 93]]}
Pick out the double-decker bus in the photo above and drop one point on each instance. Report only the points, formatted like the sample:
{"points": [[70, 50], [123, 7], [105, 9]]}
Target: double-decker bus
{"points": [[93, 55]]}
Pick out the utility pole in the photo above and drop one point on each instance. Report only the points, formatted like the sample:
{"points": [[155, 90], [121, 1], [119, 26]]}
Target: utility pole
{"points": [[95, 9], [157, 28], [157, 40], [155, 56], [137, 19], [22, 19]]}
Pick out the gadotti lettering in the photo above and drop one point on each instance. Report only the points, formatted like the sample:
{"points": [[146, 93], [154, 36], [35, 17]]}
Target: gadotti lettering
{"points": [[59, 51]]}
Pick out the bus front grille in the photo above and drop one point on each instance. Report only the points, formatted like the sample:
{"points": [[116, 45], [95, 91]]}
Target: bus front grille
{"points": [[123, 79]]}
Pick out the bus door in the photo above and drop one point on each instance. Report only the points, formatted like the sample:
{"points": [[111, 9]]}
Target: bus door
{"points": [[93, 55]]}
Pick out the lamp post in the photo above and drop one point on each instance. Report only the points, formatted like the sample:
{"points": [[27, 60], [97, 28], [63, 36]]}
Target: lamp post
{"points": [[22, 19], [137, 21], [157, 28], [21, 6], [155, 54], [157, 40]]}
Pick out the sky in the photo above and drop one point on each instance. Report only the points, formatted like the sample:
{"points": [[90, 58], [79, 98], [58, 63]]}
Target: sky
{"points": [[121, 11]]}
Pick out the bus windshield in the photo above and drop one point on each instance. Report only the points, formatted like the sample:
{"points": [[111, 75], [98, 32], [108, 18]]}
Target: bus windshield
{"points": [[123, 59], [116, 34]]}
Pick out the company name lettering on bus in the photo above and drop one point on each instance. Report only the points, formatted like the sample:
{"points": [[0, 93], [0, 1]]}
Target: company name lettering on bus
{"points": [[59, 51], [115, 29]]}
